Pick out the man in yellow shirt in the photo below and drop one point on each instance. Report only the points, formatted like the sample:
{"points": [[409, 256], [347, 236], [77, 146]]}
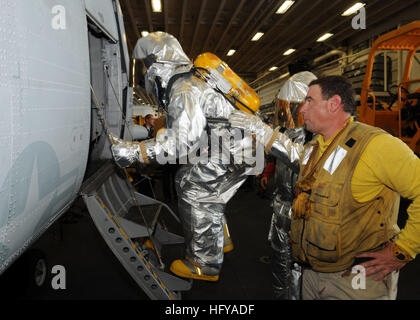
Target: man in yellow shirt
{"points": [[350, 182]]}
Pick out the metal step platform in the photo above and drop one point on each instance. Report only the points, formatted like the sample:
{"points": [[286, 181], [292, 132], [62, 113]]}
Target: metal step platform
{"points": [[130, 224]]}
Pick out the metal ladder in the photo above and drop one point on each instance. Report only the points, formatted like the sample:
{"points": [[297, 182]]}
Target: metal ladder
{"points": [[109, 199]]}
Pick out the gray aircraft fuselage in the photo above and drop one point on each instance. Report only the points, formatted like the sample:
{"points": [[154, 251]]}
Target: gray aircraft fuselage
{"points": [[51, 52]]}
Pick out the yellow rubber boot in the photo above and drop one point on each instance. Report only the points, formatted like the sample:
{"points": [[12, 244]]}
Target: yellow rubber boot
{"points": [[227, 243], [187, 268]]}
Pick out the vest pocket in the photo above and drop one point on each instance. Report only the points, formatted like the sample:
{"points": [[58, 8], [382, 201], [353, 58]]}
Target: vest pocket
{"points": [[322, 240], [325, 199]]}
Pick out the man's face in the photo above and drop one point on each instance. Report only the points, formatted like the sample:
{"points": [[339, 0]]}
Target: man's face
{"points": [[315, 110], [150, 121]]}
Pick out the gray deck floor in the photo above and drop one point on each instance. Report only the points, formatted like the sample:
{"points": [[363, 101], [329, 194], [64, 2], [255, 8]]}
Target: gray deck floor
{"points": [[93, 273]]}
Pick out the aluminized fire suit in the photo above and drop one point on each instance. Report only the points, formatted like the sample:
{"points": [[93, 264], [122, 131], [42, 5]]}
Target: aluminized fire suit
{"points": [[286, 274], [203, 188], [286, 148]]}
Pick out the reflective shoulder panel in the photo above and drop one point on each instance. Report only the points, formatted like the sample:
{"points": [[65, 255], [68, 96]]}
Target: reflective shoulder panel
{"points": [[307, 155], [335, 159]]}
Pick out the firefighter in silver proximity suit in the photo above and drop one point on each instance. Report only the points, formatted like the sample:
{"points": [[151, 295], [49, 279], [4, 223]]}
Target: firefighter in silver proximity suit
{"points": [[286, 148], [203, 188]]}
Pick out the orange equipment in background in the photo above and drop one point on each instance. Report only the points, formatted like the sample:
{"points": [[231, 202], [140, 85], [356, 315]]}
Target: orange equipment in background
{"points": [[219, 75], [402, 116]]}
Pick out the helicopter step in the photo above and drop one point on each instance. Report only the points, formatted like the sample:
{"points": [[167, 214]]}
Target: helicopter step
{"points": [[135, 239]]}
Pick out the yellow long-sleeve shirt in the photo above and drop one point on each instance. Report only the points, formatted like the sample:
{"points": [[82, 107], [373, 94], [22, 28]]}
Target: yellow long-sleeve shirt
{"points": [[389, 161]]}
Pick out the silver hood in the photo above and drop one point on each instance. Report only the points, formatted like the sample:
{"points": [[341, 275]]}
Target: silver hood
{"points": [[295, 89], [170, 58]]}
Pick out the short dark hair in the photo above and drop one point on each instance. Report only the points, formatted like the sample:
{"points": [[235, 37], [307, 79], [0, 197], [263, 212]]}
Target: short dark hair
{"points": [[339, 85], [148, 116]]}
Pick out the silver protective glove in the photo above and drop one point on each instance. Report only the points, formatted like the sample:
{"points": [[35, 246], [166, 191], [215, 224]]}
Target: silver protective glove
{"points": [[252, 124], [275, 143], [124, 152]]}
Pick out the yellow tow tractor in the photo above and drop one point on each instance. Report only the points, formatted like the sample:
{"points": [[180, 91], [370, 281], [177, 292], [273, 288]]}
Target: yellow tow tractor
{"points": [[401, 115]]}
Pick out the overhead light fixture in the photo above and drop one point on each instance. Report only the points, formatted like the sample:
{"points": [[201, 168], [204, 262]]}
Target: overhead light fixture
{"points": [[289, 51], [231, 52], [285, 6], [144, 33], [257, 36], [272, 68], [354, 8], [284, 75], [324, 37], [156, 6]]}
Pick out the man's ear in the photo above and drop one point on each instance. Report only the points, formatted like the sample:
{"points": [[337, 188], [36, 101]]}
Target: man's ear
{"points": [[335, 103]]}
